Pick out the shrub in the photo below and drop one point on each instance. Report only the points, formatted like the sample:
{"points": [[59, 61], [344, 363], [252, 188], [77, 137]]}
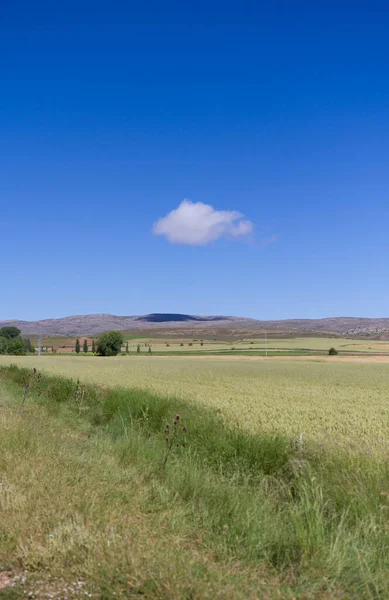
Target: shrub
{"points": [[109, 344], [333, 352], [16, 346]]}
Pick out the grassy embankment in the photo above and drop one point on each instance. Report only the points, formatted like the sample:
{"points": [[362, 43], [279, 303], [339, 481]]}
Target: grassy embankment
{"points": [[93, 495]]}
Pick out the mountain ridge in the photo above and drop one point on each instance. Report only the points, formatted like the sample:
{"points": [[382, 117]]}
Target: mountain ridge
{"points": [[94, 324]]}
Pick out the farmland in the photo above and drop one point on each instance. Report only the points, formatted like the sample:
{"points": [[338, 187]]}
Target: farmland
{"points": [[329, 399], [278, 490], [167, 343]]}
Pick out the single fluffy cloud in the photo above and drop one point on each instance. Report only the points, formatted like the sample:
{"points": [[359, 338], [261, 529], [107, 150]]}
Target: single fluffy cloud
{"points": [[198, 224]]}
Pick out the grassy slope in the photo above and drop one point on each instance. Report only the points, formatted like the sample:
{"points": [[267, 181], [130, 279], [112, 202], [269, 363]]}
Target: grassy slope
{"points": [[230, 515], [75, 509]]}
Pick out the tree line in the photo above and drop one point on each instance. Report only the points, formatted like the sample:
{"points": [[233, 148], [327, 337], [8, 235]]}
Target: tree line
{"points": [[107, 344]]}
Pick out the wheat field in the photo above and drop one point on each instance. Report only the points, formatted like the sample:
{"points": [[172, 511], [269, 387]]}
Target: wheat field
{"points": [[334, 402]]}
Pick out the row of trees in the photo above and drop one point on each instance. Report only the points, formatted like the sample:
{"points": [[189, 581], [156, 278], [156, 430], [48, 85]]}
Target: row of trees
{"points": [[108, 344], [85, 347], [11, 342]]}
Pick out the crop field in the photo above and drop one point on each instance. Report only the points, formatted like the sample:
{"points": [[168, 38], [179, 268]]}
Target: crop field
{"points": [[136, 488], [192, 345], [335, 401], [292, 344]]}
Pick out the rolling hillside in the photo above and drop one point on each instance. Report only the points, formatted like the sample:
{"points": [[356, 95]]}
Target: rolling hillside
{"points": [[95, 324]]}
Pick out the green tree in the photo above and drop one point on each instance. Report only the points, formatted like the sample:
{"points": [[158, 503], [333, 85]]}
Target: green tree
{"points": [[10, 332], [28, 345], [78, 347], [93, 346], [127, 347], [138, 348], [85, 347], [149, 349], [3, 345], [332, 352], [16, 346], [109, 344]]}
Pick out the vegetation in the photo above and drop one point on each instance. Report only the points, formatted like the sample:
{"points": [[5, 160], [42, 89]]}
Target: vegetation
{"points": [[85, 347], [16, 346], [93, 346], [78, 346], [334, 403], [10, 332], [109, 344], [11, 342], [221, 514], [3, 345], [333, 352]]}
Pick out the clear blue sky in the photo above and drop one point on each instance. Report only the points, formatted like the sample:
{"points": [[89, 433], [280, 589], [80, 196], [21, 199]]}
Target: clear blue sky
{"points": [[112, 113]]}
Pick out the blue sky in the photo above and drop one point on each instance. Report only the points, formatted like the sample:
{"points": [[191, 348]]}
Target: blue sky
{"points": [[113, 113]]}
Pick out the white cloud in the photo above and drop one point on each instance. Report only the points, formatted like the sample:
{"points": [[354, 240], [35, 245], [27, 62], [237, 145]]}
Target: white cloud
{"points": [[198, 224]]}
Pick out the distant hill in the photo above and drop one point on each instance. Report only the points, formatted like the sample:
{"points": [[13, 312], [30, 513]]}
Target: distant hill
{"points": [[94, 324]]}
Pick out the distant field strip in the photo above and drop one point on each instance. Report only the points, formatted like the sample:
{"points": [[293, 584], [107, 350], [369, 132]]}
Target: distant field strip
{"points": [[173, 345], [326, 400]]}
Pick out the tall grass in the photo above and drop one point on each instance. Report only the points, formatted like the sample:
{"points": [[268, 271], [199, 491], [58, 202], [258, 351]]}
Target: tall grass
{"points": [[292, 507]]}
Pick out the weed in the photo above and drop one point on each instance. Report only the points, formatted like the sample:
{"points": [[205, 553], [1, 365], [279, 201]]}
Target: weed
{"points": [[174, 436]]}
